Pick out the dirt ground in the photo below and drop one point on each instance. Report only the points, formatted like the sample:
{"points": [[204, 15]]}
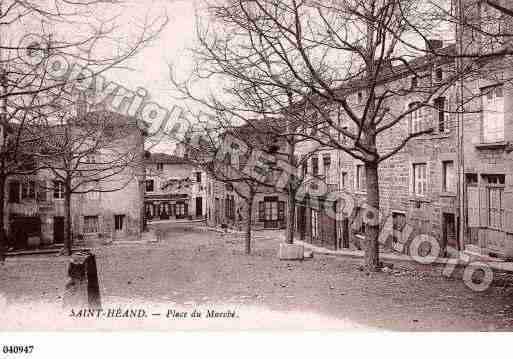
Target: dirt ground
{"points": [[201, 268]]}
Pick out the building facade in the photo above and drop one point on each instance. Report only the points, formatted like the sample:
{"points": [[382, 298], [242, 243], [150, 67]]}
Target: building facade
{"points": [[174, 189], [109, 208]]}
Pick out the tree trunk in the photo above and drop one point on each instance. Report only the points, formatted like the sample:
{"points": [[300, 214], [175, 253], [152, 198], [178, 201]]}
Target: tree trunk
{"points": [[3, 233], [291, 216], [67, 222], [372, 228], [249, 213]]}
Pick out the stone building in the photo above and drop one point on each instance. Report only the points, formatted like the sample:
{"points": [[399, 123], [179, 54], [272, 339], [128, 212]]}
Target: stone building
{"points": [[108, 208], [174, 189], [418, 185], [487, 133], [224, 204]]}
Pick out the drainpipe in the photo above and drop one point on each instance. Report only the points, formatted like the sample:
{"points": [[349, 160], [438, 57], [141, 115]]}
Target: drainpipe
{"points": [[461, 163]]}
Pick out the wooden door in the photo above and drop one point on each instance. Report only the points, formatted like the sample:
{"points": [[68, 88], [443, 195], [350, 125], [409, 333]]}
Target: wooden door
{"points": [[58, 229]]}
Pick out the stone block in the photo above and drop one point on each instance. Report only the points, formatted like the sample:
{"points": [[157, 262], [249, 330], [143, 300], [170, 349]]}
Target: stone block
{"points": [[291, 251], [150, 236]]}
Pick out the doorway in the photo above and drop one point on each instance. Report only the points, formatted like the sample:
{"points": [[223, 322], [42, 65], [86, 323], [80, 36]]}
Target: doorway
{"points": [[449, 232], [199, 207], [58, 229]]}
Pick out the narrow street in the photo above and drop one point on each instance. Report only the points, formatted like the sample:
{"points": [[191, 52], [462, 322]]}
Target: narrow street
{"points": [[192, 267]]}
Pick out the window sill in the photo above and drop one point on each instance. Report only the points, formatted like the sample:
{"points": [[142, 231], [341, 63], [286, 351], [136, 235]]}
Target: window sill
{"points": [[360, 192], [434, 136], [447, 194], [414, 198], [494, 145]]}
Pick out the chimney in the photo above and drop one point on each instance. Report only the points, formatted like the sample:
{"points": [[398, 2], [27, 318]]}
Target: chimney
{"points": [[432, 44]]}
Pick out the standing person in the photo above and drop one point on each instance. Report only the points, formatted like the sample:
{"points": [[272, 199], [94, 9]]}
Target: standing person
{"points": [[3, 246]]}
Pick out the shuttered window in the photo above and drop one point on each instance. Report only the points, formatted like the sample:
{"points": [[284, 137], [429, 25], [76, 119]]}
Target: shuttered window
{"points": [[91, 224], [420, 179], [448, 177], [417, 118], [281, 211], [493, 114], [261, 211]]}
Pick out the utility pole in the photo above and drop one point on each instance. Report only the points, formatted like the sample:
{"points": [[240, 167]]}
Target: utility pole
{"points": [[462, 213], [3, 140]]}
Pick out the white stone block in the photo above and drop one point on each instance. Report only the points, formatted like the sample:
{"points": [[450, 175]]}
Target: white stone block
{"points": [[291, 251]]}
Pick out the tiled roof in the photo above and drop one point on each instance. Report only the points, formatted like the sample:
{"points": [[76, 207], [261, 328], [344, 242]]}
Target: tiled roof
{"points": [[159, 157]]}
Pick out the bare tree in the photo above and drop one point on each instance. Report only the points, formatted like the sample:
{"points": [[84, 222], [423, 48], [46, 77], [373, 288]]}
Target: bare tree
{"points": [[49, 51], [96, 152], [234, 156], [354, 63]]}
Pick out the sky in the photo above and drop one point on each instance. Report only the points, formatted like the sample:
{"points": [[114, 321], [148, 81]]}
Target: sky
{"points": [[150, 68]]}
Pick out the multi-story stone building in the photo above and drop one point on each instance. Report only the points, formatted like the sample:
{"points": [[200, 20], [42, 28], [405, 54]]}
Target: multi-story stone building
{"points": [[112, 208], [486, 139], [455, 183], [418, 185], [174, 188]]}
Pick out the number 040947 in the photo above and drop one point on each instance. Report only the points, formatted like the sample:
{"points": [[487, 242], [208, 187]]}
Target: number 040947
{"points": [[17, 349]]}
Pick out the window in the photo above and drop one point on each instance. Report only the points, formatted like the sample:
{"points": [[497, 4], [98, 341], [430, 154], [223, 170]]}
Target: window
{"points": [[230, 207], [315, 166], [439, 75], [360, 97], [420, 179], [326, 164], [150, 185], [235, 152], [90, 224], [398, 224], [448, 177], [281, 211], [14, 192], [181, 209], [493, 114], [28, 190], [360, 178], [58, 189], [198, 177], [271, 211], [471, 179], [160, 166], [94, 193], [343, 180], [119, 221], [441, 114], [495, 198], [417, 122], [91, 158], [494, 179]]}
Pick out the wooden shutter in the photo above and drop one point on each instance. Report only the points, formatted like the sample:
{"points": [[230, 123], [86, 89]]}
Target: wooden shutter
{"points": [[261, 211], [507, 205], [483, 206], [473, 206], [281, 210]]}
